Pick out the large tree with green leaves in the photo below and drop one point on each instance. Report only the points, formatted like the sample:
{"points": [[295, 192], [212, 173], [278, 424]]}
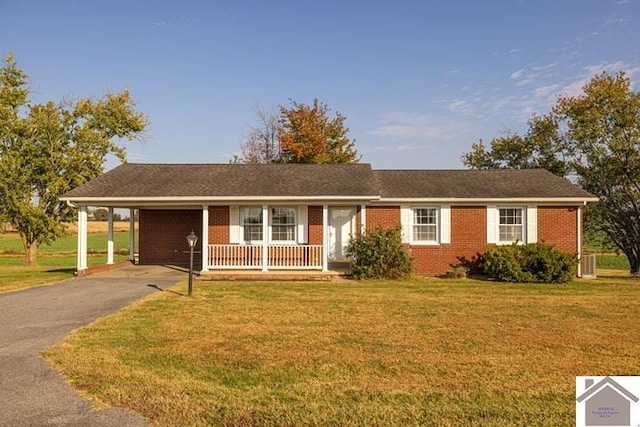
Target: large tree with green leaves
{"points": [[48, 149], [597, 136]]}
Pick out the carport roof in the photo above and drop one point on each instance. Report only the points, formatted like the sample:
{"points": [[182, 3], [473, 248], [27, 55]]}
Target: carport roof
{"points": [[132, 180]]}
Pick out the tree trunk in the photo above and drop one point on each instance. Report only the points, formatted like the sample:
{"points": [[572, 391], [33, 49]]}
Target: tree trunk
{"points": [[634, 264], [31, 258]]}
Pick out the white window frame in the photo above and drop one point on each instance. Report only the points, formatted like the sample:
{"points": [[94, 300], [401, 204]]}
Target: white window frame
{"points": [[523, 225], [294, 226], [413, 240], [529, 223], [443, 225], [243, 214]]}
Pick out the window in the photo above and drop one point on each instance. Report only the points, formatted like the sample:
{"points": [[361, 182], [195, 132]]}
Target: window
{"points": [[425, 225], [511, 225], [252, 224], [283, 224]]}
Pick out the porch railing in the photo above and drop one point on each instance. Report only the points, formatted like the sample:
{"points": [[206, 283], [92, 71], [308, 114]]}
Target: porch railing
{"points": [[278, 256]]}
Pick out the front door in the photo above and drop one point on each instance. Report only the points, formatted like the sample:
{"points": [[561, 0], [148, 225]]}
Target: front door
{"points": [[342, 225]]}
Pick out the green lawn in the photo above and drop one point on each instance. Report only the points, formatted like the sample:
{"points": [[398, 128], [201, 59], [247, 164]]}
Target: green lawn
{"points": [[56, 261], [51, 268], [427, 352], [96, 243]]}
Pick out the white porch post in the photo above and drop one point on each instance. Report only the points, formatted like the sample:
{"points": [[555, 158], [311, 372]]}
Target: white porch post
{"points": [[325, 238], [82, 239], [205, 238], [265, 238], [110, 236], [132, 234], [363, 219]]}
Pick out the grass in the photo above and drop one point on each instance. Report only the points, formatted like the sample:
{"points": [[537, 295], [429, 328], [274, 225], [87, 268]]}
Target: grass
{"points": [[14, 275], [10, 243], [611, 261], [56, 261], [430, 352]]}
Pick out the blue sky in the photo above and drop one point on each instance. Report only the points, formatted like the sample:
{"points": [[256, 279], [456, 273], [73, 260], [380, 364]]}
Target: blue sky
{"points": [[419, 81]]}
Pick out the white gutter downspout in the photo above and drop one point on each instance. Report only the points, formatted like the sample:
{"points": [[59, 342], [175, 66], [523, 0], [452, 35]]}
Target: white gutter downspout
{"points": [[579, 238]]}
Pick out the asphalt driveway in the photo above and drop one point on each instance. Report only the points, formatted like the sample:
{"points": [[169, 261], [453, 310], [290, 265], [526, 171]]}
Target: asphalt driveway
{"points": [[31, 393]]}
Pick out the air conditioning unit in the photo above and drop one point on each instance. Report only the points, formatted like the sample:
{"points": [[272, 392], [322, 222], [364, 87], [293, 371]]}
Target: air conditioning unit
{"points": [[588, 266]]}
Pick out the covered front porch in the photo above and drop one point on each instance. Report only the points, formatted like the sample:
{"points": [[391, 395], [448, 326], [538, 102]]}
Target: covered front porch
{"points": [[311, 238]]}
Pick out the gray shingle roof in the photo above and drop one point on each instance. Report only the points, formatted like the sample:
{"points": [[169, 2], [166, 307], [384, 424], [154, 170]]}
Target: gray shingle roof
{"points": [[357, 181], [219, 180], [475, 184]]}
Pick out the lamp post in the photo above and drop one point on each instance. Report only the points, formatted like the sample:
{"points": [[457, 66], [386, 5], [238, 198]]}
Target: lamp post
{"points": [[192, 239]]}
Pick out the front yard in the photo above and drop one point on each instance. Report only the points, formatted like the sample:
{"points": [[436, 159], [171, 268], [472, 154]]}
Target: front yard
{"points": [[426, 352]]}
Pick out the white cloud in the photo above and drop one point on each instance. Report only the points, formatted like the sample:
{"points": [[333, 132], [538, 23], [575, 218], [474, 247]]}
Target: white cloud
{"points": [[517, 74], [402, 126], [461, 106]]}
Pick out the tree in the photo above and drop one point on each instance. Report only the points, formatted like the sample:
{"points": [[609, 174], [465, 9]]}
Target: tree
{"points": [[48, 149], [308, 135], [541, 147], [597, 134], [261, 145]]}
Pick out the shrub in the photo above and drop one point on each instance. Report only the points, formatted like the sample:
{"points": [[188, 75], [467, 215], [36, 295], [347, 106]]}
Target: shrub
{"points": [[534, 262], [379, 254]]}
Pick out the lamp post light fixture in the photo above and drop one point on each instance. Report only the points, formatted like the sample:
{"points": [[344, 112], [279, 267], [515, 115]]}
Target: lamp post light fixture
{"points": [[192, 239]]}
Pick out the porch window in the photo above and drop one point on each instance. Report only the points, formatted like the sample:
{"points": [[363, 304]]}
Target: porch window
{"points": [[425, 225], [252, 224], [511, 225], [283, 224]]}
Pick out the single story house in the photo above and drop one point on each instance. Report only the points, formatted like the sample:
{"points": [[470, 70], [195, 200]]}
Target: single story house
{"points": [[301, 216]]}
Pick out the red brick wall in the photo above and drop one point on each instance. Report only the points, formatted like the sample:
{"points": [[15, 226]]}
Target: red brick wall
{"points": [[218, 225], [314, 218], [468, 239], [163, 236], [557, 225], [388, 216]]}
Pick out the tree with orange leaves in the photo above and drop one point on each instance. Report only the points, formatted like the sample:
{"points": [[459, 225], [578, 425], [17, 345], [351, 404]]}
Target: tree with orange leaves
{"points": [[308, 135]]}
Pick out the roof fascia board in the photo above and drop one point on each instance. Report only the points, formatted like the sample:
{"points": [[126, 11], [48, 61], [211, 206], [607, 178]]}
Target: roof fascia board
{"points": [[576, 200], [178, 200]]}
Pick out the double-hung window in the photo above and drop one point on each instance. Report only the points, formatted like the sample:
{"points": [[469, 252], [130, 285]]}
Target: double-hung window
{"points": [[283, 224], [425, 225], [510, 225], [252, 224]]}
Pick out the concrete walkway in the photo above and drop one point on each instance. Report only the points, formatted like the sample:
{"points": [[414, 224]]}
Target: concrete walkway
{"points": [[31, 393]]}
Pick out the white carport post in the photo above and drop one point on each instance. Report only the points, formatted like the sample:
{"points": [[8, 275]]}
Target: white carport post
{"points": [[265, 238], [325, 238], [205, 238], [132, 234], [110, 236], [82, 239]]}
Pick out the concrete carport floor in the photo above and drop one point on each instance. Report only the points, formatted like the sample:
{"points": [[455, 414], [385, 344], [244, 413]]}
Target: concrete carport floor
{"points": [[32, 320]]}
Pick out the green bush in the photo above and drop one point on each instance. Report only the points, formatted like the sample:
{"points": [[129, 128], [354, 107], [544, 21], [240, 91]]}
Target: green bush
{"points": [[379, 254], [534, 262]]}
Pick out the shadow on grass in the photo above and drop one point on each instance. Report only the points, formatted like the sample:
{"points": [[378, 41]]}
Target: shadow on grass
{"points": [[69, 271], [151, 285]]}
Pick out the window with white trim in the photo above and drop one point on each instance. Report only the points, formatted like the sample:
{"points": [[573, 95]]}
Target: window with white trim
{"points": [[252, 224], [510, 225], [425, 225], [283, 224]]}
